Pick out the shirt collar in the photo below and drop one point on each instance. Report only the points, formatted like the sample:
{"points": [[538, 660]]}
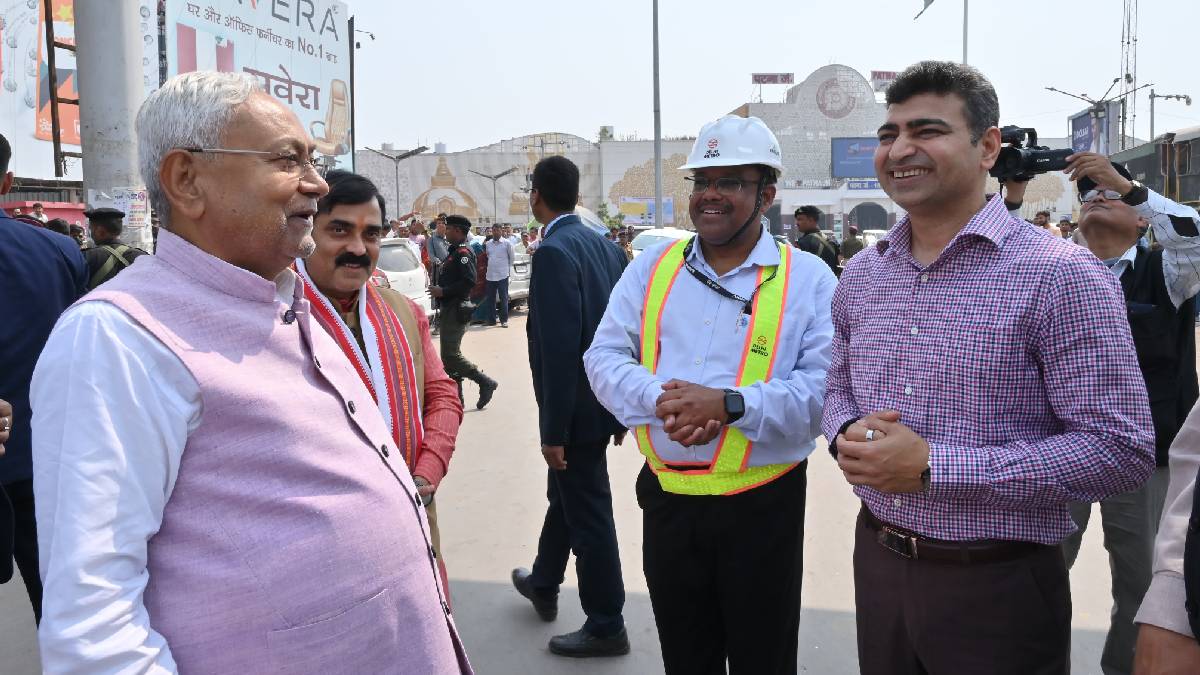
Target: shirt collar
{"points": [[764, 254], [1126, 261], [549, 225], [992, 223]]}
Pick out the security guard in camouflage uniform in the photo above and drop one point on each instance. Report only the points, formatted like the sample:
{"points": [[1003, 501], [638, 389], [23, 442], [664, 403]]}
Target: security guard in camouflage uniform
{"points": [[455, 279]]}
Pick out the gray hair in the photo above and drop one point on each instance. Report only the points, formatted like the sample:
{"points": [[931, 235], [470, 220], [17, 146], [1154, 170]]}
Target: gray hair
{"points": [[190, 110]]}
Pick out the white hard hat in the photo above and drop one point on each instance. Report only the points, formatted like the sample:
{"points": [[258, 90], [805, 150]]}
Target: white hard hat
{"points": [[735, 141]]}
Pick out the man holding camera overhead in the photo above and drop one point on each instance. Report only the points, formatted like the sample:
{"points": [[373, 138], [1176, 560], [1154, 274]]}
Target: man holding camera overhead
{"points": [[983, 377], [1160, 288]]}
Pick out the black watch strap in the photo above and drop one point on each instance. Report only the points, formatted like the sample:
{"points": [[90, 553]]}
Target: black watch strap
{"points": [[734, 415], [833, 443], [1137, 196]]}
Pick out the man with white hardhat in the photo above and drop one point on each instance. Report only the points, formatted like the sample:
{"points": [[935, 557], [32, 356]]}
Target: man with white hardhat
{"points": [[713, 350]]}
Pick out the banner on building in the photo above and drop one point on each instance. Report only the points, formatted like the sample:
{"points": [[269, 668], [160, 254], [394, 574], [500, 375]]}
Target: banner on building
{"points": [[853, 157], [25, 118], [640, 210], [772, 78], [1097, 129], [882, 79], [299, 51]]}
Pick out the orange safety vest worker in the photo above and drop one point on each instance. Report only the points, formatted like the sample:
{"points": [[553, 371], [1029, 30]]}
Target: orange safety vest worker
{"points": [[727, 473]]}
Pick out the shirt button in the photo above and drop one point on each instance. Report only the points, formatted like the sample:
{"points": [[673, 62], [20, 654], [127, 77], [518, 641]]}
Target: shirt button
{"points": [[445, 608], [708, 322], [697, 361], [317, 362], [914, 330], [908, 390], [896, 502], [350, 407], [924, 278], [384, 449], [417, 498]]}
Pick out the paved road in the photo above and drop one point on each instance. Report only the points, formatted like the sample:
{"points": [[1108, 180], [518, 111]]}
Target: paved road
{"points": [[491, 506]]}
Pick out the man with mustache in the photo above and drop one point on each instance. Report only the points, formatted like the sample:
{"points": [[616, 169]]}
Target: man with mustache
{"points": [[983, 378], [236, 502], [383, 334], [713, 351]]}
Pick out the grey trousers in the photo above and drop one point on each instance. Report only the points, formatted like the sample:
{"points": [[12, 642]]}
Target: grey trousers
{"points": [[1130, 523]]}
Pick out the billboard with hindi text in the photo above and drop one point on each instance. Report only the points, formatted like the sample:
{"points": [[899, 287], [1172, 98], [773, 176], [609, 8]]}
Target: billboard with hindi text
{"points": [[299, 51]]}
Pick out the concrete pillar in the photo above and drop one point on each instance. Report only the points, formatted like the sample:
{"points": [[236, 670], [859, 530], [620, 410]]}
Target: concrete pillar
{"points": [[109, 59]]}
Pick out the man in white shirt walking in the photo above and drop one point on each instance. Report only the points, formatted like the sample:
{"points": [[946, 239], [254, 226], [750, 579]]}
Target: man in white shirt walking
{"points": [[500, 256], [713, 350]]}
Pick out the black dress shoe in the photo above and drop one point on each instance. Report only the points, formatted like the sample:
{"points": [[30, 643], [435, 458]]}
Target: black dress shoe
{"points": [[544, 604], [582, 644], [485, 393]]}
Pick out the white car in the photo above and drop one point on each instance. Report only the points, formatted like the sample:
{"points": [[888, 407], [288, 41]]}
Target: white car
{"points": [[402, 266], [649, 238]]}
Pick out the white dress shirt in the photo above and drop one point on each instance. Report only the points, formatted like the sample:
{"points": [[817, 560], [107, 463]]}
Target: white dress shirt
{"points": [[109, 434], [500, 258], [702, 337]]}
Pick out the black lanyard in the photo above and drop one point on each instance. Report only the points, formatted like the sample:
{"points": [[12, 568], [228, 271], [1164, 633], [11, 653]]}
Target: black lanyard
{"points": [[747, 303]]}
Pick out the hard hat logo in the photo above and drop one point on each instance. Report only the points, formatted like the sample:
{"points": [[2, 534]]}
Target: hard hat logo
{"points": [[712, 153], [713, 143]]}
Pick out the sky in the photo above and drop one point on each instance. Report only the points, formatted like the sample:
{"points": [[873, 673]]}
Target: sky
{"points": [[470, 73]]}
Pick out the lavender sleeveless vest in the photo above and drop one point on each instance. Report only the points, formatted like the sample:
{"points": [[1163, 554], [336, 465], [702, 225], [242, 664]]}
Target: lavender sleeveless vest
{"points": [[294, 540]]}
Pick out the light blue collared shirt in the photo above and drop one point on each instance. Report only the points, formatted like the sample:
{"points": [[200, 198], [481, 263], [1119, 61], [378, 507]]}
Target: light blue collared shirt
{"points": [[702, 337]]}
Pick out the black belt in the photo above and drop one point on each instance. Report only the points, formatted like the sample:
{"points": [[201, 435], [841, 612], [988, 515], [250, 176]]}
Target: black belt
{"points": [[916, 547]]}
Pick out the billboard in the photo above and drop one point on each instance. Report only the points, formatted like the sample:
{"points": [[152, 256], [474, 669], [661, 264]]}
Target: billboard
{"points": [[853, 157], [25, 95], [640, 210], [882, 79], [1096, 129], [299, 51], [772, 78]]}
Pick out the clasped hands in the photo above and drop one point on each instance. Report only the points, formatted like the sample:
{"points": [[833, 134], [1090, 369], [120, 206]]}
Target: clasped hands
{"points": [[892, 461], [692, 414]]}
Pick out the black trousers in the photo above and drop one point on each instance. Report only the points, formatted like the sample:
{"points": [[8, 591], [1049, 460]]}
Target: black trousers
{"points": [[919, 617], [724, 574], [579, 518], [24, 542]]}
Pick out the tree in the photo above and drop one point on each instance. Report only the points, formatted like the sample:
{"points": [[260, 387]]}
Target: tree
{"points": [[611, 221]]}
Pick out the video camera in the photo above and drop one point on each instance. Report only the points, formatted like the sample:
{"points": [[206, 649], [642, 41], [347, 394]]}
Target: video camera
{"points": [[1021, 162]]}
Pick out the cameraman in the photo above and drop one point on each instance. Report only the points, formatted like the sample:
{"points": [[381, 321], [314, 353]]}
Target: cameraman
{"points": [[1160, 288]]}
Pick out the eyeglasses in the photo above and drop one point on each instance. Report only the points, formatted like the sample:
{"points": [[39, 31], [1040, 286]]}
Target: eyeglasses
{"points": [[1093, 195], [290, 162], [725, 186]]}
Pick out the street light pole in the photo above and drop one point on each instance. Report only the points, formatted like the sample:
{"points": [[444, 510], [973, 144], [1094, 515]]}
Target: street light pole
{"points": [[1187, 100], [495, 203], [658, 186], [396, 159]]}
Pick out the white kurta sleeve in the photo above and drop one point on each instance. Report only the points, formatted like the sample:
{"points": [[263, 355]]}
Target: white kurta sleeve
{"points": [[112, 410]]}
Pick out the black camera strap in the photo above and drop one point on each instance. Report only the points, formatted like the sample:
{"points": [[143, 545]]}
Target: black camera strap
{"points": [[747, 303]]}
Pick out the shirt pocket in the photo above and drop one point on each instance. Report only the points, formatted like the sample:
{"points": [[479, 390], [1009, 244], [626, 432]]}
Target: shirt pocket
{"points": [[348, 642]]}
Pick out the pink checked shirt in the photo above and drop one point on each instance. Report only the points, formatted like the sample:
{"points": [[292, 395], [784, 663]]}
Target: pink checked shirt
{"points": [[1011, 356]]}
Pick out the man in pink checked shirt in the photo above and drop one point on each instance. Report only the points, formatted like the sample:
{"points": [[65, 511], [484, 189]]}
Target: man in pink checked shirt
{"points": [[983, 376]]}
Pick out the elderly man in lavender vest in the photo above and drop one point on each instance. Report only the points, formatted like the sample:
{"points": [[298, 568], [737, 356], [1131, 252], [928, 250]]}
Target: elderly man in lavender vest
{"points": [[217, 491]]}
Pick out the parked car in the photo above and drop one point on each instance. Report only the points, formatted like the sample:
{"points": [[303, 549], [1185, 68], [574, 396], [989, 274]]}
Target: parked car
{"points": [[402, 266], [649, 238], [518, 277], [871, 237]]}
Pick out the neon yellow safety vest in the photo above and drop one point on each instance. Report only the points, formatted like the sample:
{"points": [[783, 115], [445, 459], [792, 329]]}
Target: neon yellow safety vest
{"points": [[727, 473]]}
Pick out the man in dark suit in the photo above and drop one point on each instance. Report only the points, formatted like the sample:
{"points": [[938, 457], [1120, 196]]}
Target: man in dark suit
{"points": [[43, 274], [574, 270]]}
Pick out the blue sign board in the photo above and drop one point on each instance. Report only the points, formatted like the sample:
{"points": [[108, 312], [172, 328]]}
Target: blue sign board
{"points": [[854, 157]]}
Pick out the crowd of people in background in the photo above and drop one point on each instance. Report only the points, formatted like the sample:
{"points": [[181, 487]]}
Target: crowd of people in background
{"points": [[980, 381]]}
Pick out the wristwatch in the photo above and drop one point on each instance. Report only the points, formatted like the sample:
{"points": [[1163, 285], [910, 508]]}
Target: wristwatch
{"points": [[735, 405], [1136, 195]]}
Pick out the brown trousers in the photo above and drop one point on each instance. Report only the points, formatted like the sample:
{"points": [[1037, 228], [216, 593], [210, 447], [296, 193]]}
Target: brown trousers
{"points": [[918, 617]]}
